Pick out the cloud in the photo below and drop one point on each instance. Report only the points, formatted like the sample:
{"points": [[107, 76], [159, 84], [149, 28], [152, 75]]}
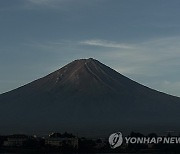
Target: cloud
{"points": [[32, 4], [149, 62], [106, 44], [39, 1], [171, 87], [43, 2]]}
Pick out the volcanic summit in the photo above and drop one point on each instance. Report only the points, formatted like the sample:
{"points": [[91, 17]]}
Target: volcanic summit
{"points": [[88, 97]]}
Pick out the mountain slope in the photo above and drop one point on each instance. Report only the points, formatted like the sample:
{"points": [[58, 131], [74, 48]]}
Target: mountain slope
{"points": [[88, 97]]}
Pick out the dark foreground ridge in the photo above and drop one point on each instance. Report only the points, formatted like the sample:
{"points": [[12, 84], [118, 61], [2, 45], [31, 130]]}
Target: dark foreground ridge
{"points": [[88, 98], [69, 143]]}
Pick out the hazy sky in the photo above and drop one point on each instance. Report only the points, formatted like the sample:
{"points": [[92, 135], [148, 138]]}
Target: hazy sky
{"points": [[138, 38]]}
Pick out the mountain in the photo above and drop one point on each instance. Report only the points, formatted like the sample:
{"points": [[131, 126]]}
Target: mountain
{"points": [[87, 97]]}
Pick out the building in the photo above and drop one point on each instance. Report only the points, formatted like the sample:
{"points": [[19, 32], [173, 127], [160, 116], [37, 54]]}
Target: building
{"points": [[16, 140], [58, 140]]}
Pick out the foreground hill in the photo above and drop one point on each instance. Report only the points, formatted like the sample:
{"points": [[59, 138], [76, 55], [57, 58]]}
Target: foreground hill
{"points": [[87, 97]]}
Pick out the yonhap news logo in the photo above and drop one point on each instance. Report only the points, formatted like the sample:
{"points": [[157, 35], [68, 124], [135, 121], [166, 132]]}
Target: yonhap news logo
{"points": [[116, 140]]}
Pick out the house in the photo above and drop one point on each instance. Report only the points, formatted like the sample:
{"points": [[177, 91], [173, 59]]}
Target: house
{"points": [[16, 140], [62, 140]]}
